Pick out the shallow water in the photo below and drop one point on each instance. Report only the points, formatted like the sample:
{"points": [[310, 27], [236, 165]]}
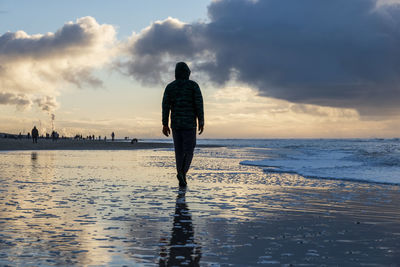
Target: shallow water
{"points": [[119, 208]]}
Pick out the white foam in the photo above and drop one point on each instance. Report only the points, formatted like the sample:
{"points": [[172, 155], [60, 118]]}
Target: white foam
{"points": [[367, 161]]}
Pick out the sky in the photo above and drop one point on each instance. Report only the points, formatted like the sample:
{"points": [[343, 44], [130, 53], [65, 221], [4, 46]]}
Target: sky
{"points": [[267, 69]]}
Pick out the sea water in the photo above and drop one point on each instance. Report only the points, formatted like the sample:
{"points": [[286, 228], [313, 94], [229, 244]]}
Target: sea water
{"points": [[366, 160]]}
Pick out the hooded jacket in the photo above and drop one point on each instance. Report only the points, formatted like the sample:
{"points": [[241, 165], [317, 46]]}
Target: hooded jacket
{"points": [[183, 99]]}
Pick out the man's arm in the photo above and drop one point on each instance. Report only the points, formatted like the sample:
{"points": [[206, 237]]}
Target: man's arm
{"points": [[166, 107], [198, 100]]}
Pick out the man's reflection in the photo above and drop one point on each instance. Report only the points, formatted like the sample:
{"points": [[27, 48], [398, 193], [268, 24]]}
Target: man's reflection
{"points": [[182, 248], [33, 156]]}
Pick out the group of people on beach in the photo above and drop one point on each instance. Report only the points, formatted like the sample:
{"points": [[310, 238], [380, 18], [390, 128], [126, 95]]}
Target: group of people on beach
{"points": [[55, 136], [35, 135]]}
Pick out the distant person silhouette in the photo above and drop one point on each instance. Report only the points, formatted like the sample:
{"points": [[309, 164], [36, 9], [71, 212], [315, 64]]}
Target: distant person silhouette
{"points": [[183, 99], [112, 136], [35, 134]]}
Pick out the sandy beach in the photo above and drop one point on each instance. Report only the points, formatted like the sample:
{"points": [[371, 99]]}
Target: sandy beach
{"points": [[124, 208], [72, 144]]}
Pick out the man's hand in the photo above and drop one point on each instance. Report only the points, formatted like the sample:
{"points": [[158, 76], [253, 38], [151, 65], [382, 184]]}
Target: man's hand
{"points": [[201, 128], [166, 131]]}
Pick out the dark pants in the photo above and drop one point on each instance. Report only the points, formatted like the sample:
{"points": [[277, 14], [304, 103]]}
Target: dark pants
{"points": [[34, 139], [184, 143]]}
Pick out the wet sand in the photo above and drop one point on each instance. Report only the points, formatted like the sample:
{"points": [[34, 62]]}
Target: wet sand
{"points": [[71, 144], [8, 144], [116, 208]]}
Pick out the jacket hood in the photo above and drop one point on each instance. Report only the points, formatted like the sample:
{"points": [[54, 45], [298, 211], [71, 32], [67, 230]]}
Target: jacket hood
{"points": [[182, 71]]}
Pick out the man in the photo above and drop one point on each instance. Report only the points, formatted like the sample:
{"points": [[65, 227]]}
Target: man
{"points": [[183, 98], [35, 134]]}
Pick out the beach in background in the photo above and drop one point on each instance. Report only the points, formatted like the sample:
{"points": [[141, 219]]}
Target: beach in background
{"points": [[248, 203], [8, 144]]}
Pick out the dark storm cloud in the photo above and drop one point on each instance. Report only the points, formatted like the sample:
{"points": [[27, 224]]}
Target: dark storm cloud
{"points": [[158, 46], [336, 53]]}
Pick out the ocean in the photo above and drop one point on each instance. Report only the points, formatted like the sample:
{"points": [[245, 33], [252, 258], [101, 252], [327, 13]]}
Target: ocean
{"points": [[365, 160]]}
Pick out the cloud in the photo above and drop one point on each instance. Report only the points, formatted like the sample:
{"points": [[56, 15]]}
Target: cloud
{"points": [[231, 102], [20, 101], [37, 66], [328, 112], [238, 112], [332, 53], [157, 47], [47, 103]]}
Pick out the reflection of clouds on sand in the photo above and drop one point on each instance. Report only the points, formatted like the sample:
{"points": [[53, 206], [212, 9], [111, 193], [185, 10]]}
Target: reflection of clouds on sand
{"points": [[182, 247], [42, 168], [34, 223], [111, 208]]}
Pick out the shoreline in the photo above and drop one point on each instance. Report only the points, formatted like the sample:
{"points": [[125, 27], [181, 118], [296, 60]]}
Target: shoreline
{"points": [[7, 144]]}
